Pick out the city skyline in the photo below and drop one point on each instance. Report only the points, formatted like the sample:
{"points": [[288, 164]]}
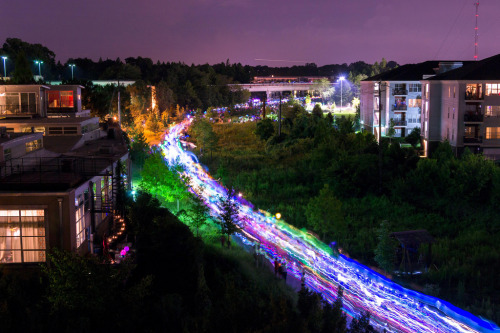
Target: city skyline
{"points": [[256, 32]]}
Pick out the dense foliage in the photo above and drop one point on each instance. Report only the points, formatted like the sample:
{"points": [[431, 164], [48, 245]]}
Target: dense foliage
{"points": [[343, 185]]}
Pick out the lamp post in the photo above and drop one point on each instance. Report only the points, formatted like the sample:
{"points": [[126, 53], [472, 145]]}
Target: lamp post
{"points": [[4, 71], [341, 79], [39, 62], [72, 66]]}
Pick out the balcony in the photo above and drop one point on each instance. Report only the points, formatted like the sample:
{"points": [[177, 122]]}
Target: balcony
{"points": [[472, 140], [399, 123], [399, 108], [473, 96], [477, 118], [399, 92]]}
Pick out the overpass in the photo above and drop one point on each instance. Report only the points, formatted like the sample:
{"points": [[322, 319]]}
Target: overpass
{"points": [[269, 88]]}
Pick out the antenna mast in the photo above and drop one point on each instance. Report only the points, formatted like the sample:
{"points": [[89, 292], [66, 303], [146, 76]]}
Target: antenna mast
{"points": [[476, 32]]}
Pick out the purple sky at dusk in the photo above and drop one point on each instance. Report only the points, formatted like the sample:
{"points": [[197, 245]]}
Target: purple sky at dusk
{"points": [[211, 31]]}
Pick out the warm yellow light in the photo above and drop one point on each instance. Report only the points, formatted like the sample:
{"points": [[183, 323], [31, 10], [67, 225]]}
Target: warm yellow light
{"points": [[114, 118], [278, 216]]}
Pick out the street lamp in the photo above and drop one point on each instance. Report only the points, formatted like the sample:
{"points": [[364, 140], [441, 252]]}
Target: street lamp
{"points": [[39, 62], [72, 66], [341, 78], [4, 71]]}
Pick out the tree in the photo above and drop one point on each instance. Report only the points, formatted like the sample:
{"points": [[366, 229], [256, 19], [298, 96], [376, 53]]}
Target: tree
{"points": [[361, 324], [385, 250], [153, 121], [22, 74], [198, 213], [324, 213], [414, 137], [265, 129], [165, 98], [163, 180], [139, 147], [334, 320], [206, 137], [391, 131], [317, 111], [228, 218], [324, 87]]}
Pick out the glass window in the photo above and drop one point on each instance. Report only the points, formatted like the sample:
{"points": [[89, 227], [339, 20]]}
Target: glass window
{"points": [[80, 220], [55, 130], [415, 87], [492, 132], [53, 99], [33, 145], [492, 89], [67, 99], [415, 102], [493, 111], [22, 236], [70, 130], [60, 99]]}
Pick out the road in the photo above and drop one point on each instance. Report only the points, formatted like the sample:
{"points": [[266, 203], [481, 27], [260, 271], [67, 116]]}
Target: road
{"points": [[392, 307]]}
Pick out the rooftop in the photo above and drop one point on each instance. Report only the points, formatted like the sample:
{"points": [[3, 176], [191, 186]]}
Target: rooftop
{"points": [[413, 238], [486, 69], [414, 72], [66, 171]]}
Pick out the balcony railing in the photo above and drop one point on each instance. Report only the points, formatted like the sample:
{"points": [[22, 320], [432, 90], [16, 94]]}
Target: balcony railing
{"points": [[399, 122], [402, 107], [479, 139], [473, 117], [15, 109], [473, 96], [399, 92]]}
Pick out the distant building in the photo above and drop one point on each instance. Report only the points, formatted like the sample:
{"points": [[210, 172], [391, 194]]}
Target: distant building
{"points": [[58, 174], [463, 107], [399, 93]]}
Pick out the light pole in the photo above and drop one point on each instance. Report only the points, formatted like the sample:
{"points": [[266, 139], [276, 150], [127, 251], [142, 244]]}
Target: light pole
{"points": [[39, 62], [341, 79], [4, 71], [72, 66]]}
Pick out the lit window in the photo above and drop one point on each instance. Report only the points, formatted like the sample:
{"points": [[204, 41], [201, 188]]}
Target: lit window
{"points": [[33, 145], [492, 132], [60, 99], [492, 111], [415, 102], [492, 89], [22, 236]]}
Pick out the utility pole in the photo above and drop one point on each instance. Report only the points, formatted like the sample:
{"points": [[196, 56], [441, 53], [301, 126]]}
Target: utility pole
{"points": [[380, 135], [279, 118], [476, 35]]}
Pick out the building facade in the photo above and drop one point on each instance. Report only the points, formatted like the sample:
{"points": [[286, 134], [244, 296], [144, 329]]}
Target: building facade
{"points": [[462, 106], [58, 173], [395, 96]]}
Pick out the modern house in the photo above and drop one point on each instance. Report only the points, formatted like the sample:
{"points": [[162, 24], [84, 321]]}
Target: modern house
{"points": [[58, 173], [398, 93], [462, 106]]}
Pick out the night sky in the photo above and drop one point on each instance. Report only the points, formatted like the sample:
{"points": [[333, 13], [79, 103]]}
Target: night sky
{"points": [[299, 31]]}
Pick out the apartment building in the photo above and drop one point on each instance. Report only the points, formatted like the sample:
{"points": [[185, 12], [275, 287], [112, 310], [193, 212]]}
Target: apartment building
{"points": [[58, 173], [398, 93], [462, 106]]}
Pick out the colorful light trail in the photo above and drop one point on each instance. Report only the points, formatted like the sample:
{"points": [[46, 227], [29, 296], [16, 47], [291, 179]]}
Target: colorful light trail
{"points": [[391, 306]]}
